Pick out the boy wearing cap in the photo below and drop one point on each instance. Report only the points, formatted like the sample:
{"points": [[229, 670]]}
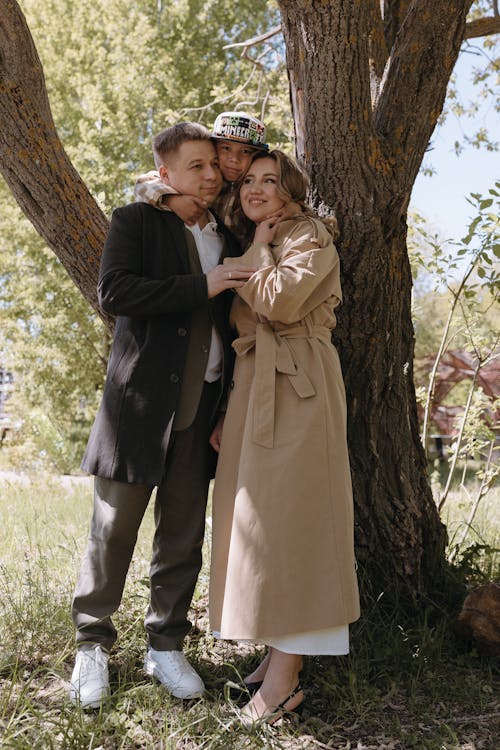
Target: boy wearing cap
{"points": [[169, 364], [237, 135]]}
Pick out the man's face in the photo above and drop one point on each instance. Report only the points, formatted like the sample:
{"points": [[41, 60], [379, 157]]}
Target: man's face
{"points": [[193, 169]]}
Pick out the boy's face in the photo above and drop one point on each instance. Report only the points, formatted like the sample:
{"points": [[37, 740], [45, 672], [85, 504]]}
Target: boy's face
{"points": [[193, 169], [234, 159]]}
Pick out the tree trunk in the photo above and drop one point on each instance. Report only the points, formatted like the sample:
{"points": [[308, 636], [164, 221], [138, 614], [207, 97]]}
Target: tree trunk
{"points": [[34, 164], [362, 142], [362, 159]]}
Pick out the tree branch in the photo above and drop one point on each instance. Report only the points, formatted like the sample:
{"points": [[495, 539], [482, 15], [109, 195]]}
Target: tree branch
{"points": [[486, 481], [482, 27], [394, 14], [34, 163], [415, 82], [256, 39], [379, 51]]}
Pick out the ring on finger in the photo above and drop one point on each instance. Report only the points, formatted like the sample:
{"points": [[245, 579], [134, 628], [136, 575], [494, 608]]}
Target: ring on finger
{"points": [[229, 275]]}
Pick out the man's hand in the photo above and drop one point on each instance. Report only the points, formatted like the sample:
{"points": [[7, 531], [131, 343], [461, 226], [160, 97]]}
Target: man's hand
{"points": [[187, 207], [216, 436], [222, 277]]}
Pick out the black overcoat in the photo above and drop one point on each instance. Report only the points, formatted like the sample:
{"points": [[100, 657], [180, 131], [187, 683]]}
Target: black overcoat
{"points": [[146, 282]]}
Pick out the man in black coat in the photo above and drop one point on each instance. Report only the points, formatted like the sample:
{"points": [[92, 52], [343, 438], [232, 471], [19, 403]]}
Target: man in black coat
{"points": [[167, 371]]}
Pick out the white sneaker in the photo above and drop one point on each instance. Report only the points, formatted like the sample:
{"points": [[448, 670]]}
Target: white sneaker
{"points": [[174, 671], [89, 684]]}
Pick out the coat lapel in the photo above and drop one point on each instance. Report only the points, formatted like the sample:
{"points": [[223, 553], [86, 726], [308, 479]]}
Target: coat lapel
{"points": [[176, 229], [231, 247]]}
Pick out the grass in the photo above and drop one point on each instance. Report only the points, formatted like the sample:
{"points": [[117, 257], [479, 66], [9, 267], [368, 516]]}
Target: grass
{"points": [[403, 687]]}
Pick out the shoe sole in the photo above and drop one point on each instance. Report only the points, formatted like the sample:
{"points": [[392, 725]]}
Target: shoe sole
{"points": [[84, 705], [152, 671]]}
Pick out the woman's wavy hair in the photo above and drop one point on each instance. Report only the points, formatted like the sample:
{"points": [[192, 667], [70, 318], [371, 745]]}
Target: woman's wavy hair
{"points": [[293, 184]]}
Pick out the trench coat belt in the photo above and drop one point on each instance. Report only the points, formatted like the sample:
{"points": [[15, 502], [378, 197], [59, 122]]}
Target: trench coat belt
{"points": [[273, 354]]}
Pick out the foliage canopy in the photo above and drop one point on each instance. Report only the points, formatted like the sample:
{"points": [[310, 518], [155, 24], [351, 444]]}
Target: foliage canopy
{"points": [[114, 78]]}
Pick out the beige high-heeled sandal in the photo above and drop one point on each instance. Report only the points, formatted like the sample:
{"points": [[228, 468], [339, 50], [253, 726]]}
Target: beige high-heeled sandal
{"points": [[272, 715]]}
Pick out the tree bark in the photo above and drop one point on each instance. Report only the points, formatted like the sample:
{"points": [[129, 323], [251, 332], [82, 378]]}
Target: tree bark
{"points": [[34, 164], [363, 163]]}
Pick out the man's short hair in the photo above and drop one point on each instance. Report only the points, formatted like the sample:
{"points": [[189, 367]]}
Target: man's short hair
{"points": [[170, 139]]}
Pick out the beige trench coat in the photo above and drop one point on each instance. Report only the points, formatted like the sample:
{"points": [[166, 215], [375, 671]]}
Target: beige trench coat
{"points": [[282, 549]]}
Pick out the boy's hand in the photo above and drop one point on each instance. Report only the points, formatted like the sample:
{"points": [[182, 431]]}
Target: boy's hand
{"points": [[221, 278], [187, 207], [291, 210]]}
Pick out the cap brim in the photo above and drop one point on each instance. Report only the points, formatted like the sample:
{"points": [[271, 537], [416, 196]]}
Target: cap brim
{"points": [[243, 142]]}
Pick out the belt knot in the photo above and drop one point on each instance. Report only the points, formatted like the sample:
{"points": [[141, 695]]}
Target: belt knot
{"points": [[274, 354]]}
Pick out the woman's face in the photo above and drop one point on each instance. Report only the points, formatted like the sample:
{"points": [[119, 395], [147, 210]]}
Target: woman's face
{"points": [[259, 190]]}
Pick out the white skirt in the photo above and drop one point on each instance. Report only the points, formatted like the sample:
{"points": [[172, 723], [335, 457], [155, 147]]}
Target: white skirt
{"points": [[327, 642]]}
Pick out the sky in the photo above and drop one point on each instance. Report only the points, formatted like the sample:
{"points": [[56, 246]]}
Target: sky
{"points": [[442, 197]]}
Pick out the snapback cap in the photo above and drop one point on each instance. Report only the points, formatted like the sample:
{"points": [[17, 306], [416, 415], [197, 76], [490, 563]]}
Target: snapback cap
{"points": [[241, 128]]}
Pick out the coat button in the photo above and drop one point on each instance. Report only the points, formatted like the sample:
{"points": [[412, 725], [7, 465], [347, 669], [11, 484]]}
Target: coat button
{"points": [[181, 331], [174, 378], [204, 348]]}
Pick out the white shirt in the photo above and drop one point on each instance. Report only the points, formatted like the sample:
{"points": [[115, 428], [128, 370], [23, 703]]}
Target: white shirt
{"points": [[210, 244]]}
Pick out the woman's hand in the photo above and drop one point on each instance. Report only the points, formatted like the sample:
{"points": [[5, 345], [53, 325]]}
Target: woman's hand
{"points": [[288, 211], [266, 230], [216, 436]]}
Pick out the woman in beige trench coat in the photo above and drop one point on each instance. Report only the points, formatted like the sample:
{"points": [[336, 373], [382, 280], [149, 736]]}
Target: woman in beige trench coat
{"points": [[283, 568]]}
